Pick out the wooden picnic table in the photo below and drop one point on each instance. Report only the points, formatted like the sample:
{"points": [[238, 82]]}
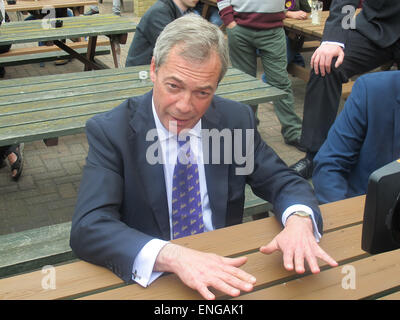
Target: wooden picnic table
{"points": [[44, 107], [305, 27], [358, 276], [113, 26], [77, 6]]}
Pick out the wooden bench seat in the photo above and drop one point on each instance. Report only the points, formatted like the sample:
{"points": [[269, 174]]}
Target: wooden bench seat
{"points": [[19, 56]]}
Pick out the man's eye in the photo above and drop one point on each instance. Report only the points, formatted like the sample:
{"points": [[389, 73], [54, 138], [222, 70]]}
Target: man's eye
{"points": [[172, 86], [203, 94]]}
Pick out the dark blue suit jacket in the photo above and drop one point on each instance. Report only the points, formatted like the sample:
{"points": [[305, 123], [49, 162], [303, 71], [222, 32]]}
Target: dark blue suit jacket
{"points": [[378, 21], [122, 202], [364, 137]]}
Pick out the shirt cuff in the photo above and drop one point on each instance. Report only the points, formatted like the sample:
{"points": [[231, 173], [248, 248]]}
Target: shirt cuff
{"points": [[333, 42], [299, 207], [142, 271]]}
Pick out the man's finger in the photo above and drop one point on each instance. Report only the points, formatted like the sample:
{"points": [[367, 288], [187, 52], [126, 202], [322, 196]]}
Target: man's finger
{"points": [[288, 256], [241, 275], [312, 262], [315, 65], [205, 293], [270, 247], [339, 60], [327, 258], [322, 65], [299, 261]]}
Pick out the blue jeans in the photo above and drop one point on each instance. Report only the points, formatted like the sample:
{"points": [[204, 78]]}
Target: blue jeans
{"points": [[214, 17]]}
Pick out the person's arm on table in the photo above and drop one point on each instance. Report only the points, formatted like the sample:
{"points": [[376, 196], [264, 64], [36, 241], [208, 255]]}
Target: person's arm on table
{"points": [[200, 270], [298, 243]]}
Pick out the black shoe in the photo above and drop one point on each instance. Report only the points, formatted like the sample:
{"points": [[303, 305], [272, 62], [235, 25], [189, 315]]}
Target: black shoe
{"points": [[296, 143], [304, 167]]}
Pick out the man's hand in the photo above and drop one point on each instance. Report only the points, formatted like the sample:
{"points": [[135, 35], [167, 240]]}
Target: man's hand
{"points": [[300, 15], [297, 242], [322, 58], [231, 25], [199, 270]]}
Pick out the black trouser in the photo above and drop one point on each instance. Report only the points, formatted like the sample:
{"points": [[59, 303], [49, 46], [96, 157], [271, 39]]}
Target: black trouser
{"points": [[323, 94]]}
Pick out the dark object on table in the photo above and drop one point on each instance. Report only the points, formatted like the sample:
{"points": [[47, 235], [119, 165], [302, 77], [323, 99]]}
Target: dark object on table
{"points": [[56, 23], [381, 224], [11, 1]]}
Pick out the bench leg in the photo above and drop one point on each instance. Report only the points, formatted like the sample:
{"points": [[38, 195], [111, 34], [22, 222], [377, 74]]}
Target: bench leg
{"points": [[89, 63], [91, 51]]}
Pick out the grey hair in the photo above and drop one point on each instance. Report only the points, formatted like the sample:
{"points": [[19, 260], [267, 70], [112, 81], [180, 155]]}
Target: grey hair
{"points": [[197, 38]]}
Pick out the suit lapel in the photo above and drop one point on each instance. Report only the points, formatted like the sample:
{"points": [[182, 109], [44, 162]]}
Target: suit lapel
{"points": [[152, 175], [216, 174], [396, 133]]}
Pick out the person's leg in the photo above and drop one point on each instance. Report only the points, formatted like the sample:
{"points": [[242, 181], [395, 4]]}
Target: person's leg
{"points": [[92, 10], [323, 94], [241, 51], [116, 7], [272, 45], [214, 17], [14, 154]]}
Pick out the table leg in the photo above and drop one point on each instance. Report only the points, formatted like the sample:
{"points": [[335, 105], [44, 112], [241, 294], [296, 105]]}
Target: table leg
{"points": [[204, 13], [91, 51], [115, 42], [89, 63]]}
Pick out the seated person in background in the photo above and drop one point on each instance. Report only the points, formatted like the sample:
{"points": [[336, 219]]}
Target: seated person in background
{"points": [[213, 14], [13, 152], [132, 201], [364, 137], [150, 26]]}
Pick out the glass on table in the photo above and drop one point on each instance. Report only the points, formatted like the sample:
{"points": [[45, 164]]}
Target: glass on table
{"points": [[316, 9]]}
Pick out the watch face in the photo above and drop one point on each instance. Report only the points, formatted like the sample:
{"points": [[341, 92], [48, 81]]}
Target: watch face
{"points": [[302, 214]]}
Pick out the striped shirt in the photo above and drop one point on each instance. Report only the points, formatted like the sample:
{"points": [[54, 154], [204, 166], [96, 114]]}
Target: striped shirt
{"points": [[256, 14]]}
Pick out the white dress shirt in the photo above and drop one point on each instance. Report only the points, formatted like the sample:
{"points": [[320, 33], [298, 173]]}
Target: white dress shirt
{"points": [[142, 271]]}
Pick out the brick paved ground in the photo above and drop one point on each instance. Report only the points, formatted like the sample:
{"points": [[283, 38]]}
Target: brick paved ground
{"points": [[46, 192]]}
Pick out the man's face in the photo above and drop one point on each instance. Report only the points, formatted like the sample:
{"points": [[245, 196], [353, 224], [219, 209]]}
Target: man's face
{"points": [[183, 90], [186, 4]]}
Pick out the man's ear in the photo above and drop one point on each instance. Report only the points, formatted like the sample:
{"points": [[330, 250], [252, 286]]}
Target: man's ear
{"points": [[153, 70]]}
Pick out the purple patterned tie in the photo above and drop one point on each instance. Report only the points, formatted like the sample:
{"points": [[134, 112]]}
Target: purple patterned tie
{"points": [[187, 217]]}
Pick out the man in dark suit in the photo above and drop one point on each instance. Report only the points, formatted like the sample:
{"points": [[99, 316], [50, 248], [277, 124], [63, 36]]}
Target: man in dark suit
{"points": [[150, 26], [127, 204], [346, 50], [364, 137]]}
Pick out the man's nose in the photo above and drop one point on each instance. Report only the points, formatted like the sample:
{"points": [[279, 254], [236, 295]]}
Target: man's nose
{"points": [[184, 104]]}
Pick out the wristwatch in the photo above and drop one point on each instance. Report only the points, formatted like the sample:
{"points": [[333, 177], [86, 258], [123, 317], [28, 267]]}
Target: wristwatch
{"points": [[302, 214]]}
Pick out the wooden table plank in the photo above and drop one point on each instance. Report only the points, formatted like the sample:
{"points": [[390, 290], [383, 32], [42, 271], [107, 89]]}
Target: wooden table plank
{"points": [[28, 5], [226, 242], [73, 27], [372, 275], [342, 245], [53, 106]]}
